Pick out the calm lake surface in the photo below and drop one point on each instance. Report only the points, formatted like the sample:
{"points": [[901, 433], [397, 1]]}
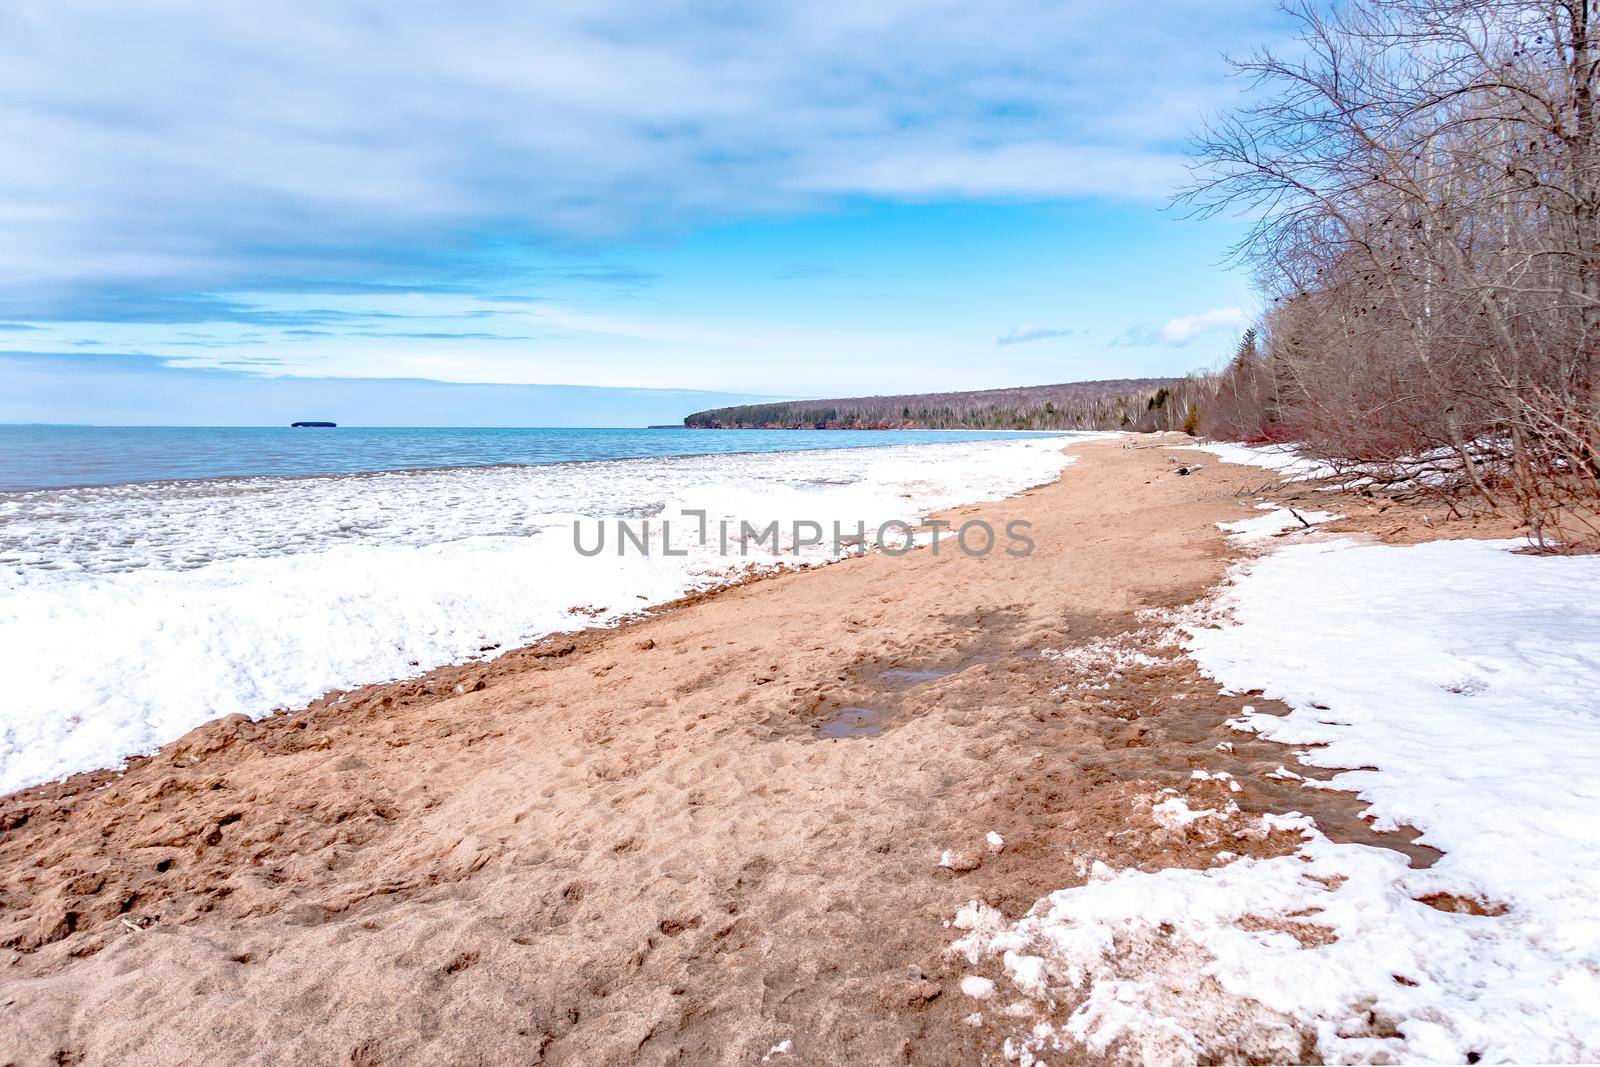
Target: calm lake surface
{"points": [[38, 457], [154, 579]]}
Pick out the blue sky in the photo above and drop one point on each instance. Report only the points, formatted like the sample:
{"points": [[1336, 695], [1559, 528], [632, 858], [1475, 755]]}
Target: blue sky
{"points": [[786, 200]]}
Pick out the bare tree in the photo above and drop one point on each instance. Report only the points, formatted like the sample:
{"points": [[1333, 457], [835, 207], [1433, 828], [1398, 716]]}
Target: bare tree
{"points": [[1425, 180]]}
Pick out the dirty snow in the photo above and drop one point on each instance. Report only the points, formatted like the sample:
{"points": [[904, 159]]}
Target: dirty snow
{"points": [[1463, 678], [1277, 520], [1100, 662], [977, 987]]}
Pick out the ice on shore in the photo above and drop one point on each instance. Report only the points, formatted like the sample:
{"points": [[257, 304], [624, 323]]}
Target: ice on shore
{"points": [[1276, 520], [1284, 459], [1436, 467], [977, 987], [1457, 684], [131, 614]]}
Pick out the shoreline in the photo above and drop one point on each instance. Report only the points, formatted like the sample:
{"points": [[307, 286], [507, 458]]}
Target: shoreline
{"points": [[468, 467], [641, 843], [443, 677], [271, 594]]}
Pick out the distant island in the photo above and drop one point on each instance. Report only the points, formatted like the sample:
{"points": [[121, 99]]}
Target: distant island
{"points": [[1121, 403], [313, 425]]}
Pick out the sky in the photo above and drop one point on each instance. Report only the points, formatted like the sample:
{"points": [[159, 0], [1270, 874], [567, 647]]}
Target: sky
{"points": [[339, 204]]}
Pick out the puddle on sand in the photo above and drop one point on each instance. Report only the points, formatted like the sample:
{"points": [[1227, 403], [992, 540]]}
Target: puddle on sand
{"points": [[853, 722], [861, 721], [908, 677]]}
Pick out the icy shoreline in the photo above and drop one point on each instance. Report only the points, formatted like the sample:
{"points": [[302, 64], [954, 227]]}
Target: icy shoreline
{"points": [[129, 615]]}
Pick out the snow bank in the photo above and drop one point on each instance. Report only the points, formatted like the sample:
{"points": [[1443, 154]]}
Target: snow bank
{"points": [[131, 614], [1280, 458], [1465, 681], [1468, 673], [1436, 468]]}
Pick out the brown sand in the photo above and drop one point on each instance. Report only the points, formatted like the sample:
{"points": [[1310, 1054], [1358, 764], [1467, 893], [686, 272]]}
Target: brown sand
{"points": [[634, 846]]}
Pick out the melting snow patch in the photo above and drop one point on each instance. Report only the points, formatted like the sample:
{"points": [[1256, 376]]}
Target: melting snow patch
{"points": [[976, 987], [1340, 951], [1097, 664], [1275, 521], [1281, 458]]}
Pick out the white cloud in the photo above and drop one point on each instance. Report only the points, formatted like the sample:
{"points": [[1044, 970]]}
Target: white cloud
{"points": [[1186, 328], [1030, 331], [188, 145]]}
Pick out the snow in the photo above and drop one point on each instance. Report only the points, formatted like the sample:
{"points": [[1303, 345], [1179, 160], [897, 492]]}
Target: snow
{"points": [[1467, 672], [1283, 459], [1098, 663], [1277, 520], [1455, 684], [1438, 467], [977, 987], [131, 614], [1174, 813]]}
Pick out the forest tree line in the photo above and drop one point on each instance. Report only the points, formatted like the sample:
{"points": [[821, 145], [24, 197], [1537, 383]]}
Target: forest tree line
{"points": [[1138, 404], [1425, 180]]}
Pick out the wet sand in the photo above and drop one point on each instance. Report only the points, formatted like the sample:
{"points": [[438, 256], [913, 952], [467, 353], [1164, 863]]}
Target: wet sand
{"points": [[686, 840]]}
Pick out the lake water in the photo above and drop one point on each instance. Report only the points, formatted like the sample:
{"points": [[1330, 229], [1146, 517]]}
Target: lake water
{"points": [[133, 609], [36, 457]]}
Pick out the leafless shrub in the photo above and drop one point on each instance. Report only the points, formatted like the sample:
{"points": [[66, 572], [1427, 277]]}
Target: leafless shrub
{"points": [[1425, 178]]}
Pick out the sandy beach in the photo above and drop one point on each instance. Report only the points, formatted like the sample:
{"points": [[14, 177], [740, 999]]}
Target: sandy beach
{"points": [[738, 829], [800, 535]]}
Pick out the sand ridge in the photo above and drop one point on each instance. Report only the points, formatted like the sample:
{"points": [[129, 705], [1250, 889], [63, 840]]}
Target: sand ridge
{"points": [[633, 846]]}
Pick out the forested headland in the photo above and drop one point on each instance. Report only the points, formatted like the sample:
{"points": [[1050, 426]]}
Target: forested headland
{"points": [[1124, 403]]}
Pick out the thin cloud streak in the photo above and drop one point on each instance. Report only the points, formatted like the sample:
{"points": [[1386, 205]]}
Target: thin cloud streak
{"points": [[1180, 331], [1030, 331]]}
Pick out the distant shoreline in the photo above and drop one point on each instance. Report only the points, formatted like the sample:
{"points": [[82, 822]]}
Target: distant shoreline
{"points": [[1133, 404]]}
